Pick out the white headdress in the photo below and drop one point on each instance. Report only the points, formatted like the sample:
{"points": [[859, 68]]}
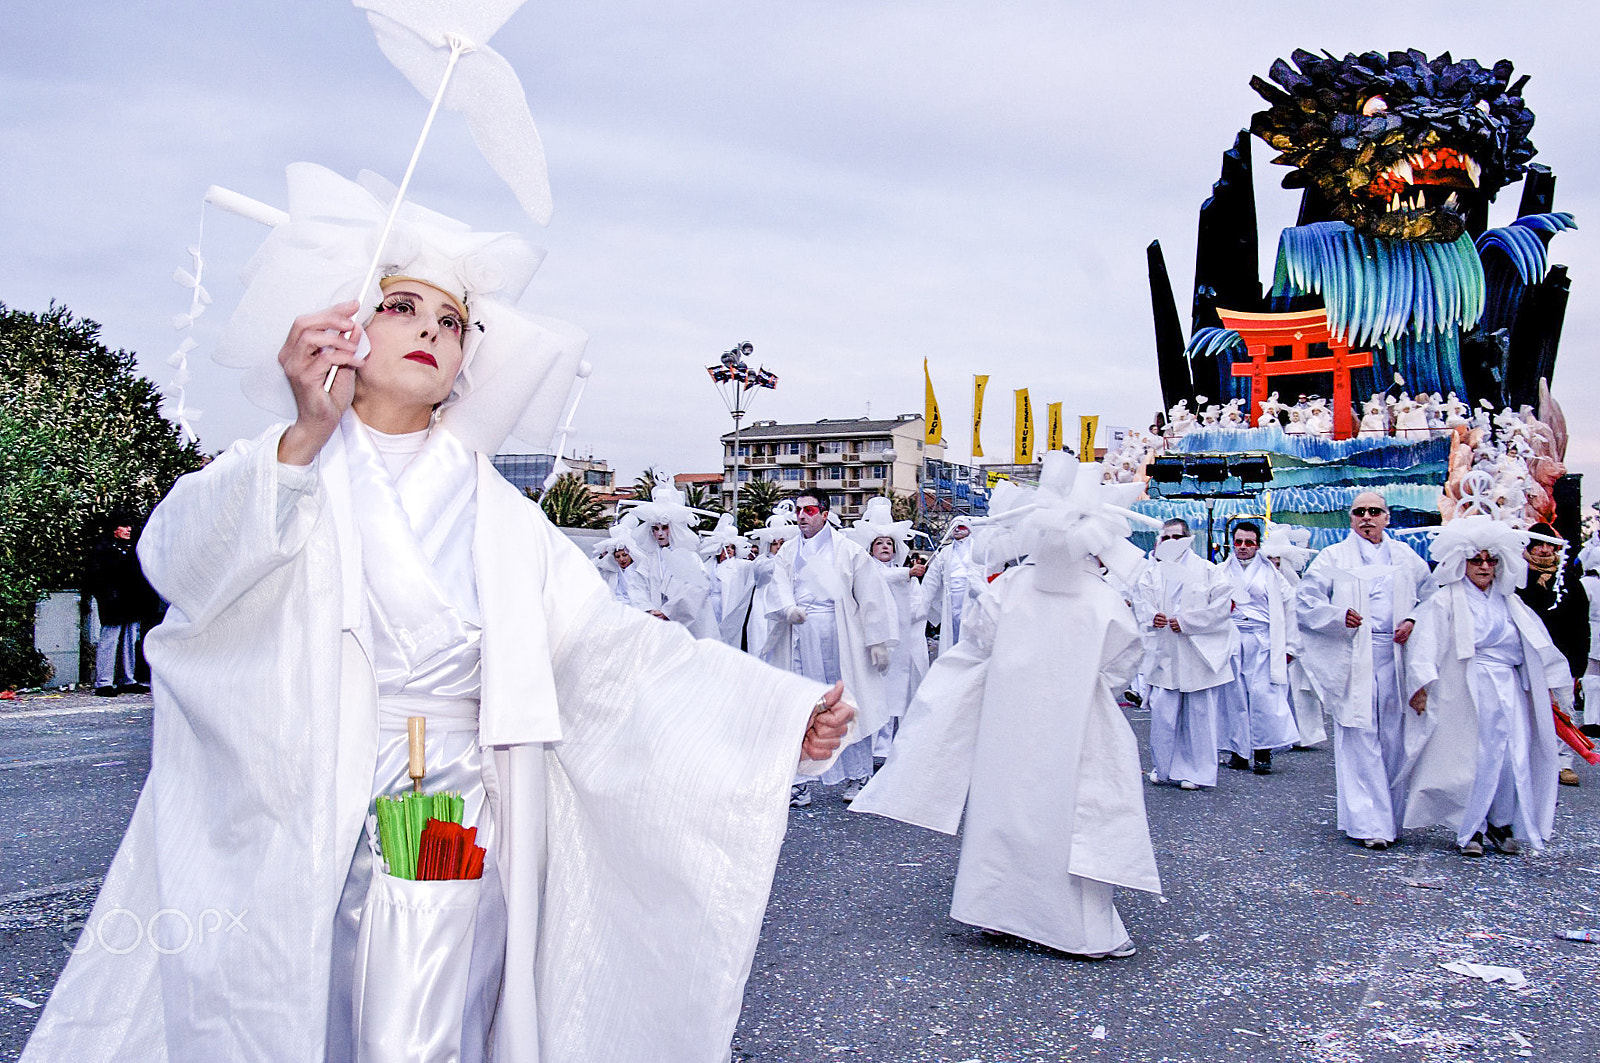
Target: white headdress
{"points": [[725, 534], [781, 525], [877, 522], [1465, 537], [1290, 543]]}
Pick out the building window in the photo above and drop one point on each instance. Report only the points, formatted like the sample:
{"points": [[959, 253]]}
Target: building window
{"points": [[877, 472], [833, 472], [793, 473], [744, 450], [876, 446], [837, 501], [831, 446], [744, 476], [796, 448]]}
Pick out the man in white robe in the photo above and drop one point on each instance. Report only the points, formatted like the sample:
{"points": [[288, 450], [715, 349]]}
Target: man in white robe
{"points": [[1256, 715], [842, 626], [1029, 740], [771, 597], [1482, 672], [1356, 607], [1286, 546], [952, 579], [1182, 602]]}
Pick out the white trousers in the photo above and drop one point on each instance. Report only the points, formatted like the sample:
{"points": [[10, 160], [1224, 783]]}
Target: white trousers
{"points": [[1367, 759], [1183, 734], [1256, 710]]}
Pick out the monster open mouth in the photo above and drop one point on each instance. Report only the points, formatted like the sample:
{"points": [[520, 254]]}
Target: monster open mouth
{"points": [[1427, 179]]}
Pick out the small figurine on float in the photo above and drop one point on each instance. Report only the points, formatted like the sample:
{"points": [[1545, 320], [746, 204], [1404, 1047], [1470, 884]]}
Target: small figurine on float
{"points": [[1410, 418], [1272, 412], [1374, 418], [1232, 417]]}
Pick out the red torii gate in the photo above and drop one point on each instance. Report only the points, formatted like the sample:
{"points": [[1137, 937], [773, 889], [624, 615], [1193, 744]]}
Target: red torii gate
{"points": [[1297, 331]]}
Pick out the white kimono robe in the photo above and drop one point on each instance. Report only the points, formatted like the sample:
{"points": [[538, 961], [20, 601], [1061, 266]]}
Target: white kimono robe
{"points": [[676, 585], [638, 781], [1030, 741], [848, 610], [1256, 712], [1357, 672], [1484, 750], [953, 580], [909, 661], [732, 585], [767, 631], [1189, 669]]}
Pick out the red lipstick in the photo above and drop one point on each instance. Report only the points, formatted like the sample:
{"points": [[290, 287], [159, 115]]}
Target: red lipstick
{"points": [[424, 357]]}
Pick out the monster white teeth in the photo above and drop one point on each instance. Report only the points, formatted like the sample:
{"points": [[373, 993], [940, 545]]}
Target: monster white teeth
{"points": [[1450, 201], [1402, 170], [1474, 171]]}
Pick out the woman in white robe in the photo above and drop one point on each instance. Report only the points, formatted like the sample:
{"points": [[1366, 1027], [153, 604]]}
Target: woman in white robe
{"points": [[1482, 674], [365, 564], [885, 539], [1029, 739]]}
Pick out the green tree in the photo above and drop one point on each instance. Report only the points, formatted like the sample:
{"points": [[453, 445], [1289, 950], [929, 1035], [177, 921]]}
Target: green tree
{"points": [[81, 437], [903, 507], [646, 483], [569, 504], [702, 496], [756, 501]]}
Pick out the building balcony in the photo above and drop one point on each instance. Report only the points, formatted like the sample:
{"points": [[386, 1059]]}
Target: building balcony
{"points": [[830, 458], [791, 459], [870, 483]]}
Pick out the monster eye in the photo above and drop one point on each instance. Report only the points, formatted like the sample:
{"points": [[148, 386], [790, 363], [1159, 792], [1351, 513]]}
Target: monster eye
{"points": [[1483, 105], [1374, 105]]}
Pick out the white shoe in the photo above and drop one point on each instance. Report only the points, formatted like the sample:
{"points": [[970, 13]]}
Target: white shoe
{"points": [[852, 790], [1187, 785], [1122, 951], [800, 795]]}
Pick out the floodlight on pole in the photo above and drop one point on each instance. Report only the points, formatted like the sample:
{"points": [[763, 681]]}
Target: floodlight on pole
{"points": [[734, 380]]}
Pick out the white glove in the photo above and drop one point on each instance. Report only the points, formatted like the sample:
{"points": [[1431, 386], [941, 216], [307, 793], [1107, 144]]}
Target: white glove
{"points": [[797, 615], [880, 657]]}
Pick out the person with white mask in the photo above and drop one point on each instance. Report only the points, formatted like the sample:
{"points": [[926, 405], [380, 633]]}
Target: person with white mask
{"points": [[841, 626], [1026, 742], [952, 579], [1482, 672], [1356, 607], [885, 539], [1256, 715], [665, 548], [1182, 602]]}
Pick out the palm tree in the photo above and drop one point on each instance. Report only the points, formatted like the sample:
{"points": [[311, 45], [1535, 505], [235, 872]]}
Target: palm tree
{"points": [[646, 483], [756, 500], [570, 504], [702, 496], [903, 507]]}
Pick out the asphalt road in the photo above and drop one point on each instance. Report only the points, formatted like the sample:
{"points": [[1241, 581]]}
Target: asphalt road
{"points": [[1276, 938]]}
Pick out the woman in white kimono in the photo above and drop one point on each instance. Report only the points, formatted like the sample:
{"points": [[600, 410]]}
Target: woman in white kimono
{"points": [[1482, 673], [1028, 739], [885, 539], [366, 564]]}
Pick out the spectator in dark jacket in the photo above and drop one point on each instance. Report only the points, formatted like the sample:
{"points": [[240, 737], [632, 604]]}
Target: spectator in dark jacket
{"points": [[125, 601], [1555, 592]]}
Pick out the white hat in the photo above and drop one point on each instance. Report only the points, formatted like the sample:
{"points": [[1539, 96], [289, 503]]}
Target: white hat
{"points": [[1465, 537], [518, 370], [877, 522], [725, 534]]}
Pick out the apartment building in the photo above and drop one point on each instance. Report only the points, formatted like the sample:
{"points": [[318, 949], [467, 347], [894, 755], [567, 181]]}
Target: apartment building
{"points": [[845, 459]]}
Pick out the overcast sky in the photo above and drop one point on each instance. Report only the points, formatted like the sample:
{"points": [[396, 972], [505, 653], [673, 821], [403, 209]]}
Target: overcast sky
{"points": [[851, 187]]}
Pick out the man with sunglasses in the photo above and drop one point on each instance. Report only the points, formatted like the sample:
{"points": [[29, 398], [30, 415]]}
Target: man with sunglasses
{"points": [[1182, 602], [841, 625], [1257, 717], [1355, 608]]}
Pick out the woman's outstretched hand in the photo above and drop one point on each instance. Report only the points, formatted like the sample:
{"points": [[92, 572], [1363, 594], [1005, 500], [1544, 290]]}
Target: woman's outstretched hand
{"points": [[829, 720], [316, 343]]}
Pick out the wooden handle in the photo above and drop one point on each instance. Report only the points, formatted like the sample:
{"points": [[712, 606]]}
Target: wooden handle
{"points": [[416, 731]]}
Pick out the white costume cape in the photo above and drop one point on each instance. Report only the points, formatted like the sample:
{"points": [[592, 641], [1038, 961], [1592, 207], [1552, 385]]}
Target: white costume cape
{"points": [[1341, 676], [1030, 740], [938, 589], [909, 661], [1442, 743], [638, 780]]}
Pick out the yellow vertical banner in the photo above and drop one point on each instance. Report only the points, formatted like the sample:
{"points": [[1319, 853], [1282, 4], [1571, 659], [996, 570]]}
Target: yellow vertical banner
{"points": [[1087, 424], [1053, 419], [978, 384], [1022, 443], [933, 429]]}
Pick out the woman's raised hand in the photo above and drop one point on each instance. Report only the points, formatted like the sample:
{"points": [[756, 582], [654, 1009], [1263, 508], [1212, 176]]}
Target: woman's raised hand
{"points": [[316, 343]]}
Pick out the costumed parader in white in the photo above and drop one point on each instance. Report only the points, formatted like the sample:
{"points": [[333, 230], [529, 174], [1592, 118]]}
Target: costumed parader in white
{"points": [[1029, 739], [613, 558], [732, 578], [885, 539], [766, 638], [1481, 674], [364, 564], [666, 549], [1257, 717], [1182, 602], [953, 578], [842, 626], [1288, 548], [1356, 606]]}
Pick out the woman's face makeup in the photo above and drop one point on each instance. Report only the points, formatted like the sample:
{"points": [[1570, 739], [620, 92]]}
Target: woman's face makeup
{"points": [[417, 338]]}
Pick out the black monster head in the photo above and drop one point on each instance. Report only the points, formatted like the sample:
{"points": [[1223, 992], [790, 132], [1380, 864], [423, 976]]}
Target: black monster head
{"points": [[1400, 145]]}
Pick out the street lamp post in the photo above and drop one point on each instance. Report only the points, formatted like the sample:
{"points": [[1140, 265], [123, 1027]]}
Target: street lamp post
{"points": [[888, 480], [734, 380]]}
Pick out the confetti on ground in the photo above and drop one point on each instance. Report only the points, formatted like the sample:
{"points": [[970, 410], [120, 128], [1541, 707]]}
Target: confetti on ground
{"points": [[1511, 976], [1099, 1033], [24, 1002]]}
